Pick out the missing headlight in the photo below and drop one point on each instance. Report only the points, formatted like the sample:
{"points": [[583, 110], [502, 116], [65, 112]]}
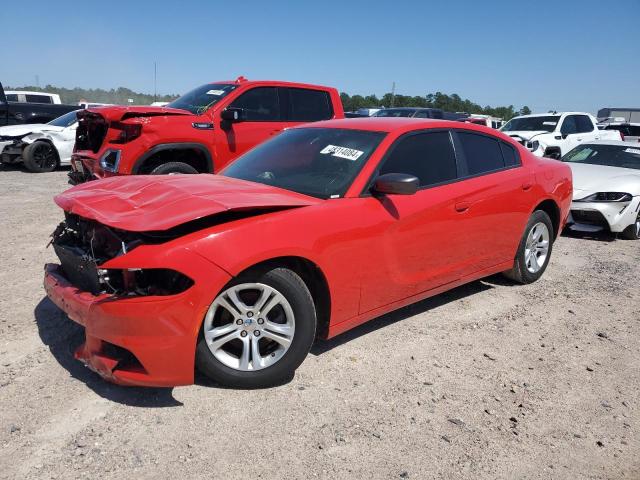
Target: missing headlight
{"points": [[144, 282]]}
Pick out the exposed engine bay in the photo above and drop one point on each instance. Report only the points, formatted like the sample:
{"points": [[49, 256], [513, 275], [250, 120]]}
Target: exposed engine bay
{"points": [[83, 246]]}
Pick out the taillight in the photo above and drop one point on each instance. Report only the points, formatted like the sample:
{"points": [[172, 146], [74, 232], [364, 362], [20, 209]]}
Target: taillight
{"points": [[621, 135], [128, 131]]}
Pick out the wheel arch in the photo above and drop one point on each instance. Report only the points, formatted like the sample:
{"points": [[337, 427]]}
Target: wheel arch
{"points": [[313, 277], [551, 208], [204, 164]]}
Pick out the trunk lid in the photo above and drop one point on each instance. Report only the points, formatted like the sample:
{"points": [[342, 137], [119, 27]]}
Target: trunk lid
{"points": [[145, 203]]}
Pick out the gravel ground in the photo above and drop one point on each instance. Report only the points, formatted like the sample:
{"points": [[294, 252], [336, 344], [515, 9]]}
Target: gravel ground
{"points": [[490, 380]]}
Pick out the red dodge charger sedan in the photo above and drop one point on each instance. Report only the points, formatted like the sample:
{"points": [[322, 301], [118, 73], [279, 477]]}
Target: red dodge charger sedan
{"points": [[310, 234]]}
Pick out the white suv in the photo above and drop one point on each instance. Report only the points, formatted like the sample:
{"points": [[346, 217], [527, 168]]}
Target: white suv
{"points": [[554, 134]]}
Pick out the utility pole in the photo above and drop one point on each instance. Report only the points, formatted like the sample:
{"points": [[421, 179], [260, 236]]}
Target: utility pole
{"points": [[393, 93], [155, 81], [38, 81]]}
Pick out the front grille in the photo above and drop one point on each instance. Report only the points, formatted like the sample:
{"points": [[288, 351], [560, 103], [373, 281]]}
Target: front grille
{"points": [[589, 217], [92, 128]]}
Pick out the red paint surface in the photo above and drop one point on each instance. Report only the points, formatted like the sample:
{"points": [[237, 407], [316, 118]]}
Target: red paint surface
{"points": [[376, 254], [170, 125]]}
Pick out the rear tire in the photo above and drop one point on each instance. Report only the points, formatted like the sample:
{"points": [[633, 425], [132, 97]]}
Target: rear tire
{"points": [[228, 334], [534, 250], [40, 157], [172, 168], [632, 232]]}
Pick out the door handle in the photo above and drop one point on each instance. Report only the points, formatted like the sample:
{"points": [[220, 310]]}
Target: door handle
{"points": [[527, 186], [462, 206]]}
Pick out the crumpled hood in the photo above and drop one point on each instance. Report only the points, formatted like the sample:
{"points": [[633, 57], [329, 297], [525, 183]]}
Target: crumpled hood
{"points": [[121, 112], [159, 202], [588, 179], [21, 130], [525, 134]]}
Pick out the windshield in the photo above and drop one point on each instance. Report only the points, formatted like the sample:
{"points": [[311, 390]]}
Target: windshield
{"points": [[320, 162], [65, 120], [391, 112], [606, 155], [200, 99], [532, 124]]}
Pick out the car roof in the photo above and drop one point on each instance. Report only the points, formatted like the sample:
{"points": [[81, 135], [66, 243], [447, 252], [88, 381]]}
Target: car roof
{"points": [[397, 124], [245, 81]]}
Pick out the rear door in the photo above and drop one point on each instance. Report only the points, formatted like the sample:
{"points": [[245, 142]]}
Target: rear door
{"points": [[263, 119], [494, 197], [417, 241], [587, 129]]}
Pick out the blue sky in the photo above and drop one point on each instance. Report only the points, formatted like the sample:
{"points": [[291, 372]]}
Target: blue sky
{"points": [[579, 55]]}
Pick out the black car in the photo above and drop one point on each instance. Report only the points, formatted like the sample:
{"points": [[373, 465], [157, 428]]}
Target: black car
{"points": [[15, 113]]}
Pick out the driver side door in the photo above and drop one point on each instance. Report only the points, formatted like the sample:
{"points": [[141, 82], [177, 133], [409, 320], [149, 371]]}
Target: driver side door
{"points": [[262, 119], [417, 240]]}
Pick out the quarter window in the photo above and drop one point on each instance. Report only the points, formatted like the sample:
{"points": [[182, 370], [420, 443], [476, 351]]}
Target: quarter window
{"points": [[483, 154], [309, 105], [509, 155], [259, 104], [428, 156]]}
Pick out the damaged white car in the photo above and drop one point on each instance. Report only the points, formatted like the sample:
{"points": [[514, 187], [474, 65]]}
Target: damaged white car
{"points": [[606, 188], [40, 147], [554, 134]]}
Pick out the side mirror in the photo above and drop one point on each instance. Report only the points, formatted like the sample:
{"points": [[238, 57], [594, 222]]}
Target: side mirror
{"points": [[232, 114], [396, 184]]}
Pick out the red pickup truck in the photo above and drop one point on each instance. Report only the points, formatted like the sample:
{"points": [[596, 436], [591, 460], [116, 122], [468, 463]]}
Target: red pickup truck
{"points": [[199, 132]]}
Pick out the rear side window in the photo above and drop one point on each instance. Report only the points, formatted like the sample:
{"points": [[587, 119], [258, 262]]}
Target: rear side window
{"points": [[12, 97], [509, 155], [483, 154], [309, 105], [584, 124], [38, 99], [428, 156], [259, 104]]}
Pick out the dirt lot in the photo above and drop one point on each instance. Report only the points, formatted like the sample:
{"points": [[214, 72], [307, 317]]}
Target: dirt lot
{"points": [[488, 381]]}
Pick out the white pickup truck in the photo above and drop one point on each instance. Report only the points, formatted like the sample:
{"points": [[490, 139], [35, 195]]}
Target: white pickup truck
{"points": [[554, 134]]}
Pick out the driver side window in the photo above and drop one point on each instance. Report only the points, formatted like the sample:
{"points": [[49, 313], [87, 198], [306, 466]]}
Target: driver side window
{"points": [[569, 125], [428, 156], [259, 104]]}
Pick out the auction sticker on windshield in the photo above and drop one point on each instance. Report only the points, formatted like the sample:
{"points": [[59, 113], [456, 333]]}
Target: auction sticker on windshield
{"points": [[635, 151], [215, 92], [342, 152]]}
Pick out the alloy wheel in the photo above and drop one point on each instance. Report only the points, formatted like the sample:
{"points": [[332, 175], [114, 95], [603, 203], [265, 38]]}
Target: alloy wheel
{"points": [[537, 247], [249, 326], [44, 156]]}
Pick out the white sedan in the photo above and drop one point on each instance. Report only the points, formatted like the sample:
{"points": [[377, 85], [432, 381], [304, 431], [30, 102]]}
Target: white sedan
{"points": [[606, 187], [41, 147]]}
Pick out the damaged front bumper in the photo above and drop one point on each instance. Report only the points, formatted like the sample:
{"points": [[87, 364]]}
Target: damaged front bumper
{"points": [[145, 337]]}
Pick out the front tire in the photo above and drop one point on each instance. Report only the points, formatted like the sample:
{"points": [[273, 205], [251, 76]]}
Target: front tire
{"points": [[258, 330], [173, 168], [534, 250], [40, 157], [632, 232]]}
